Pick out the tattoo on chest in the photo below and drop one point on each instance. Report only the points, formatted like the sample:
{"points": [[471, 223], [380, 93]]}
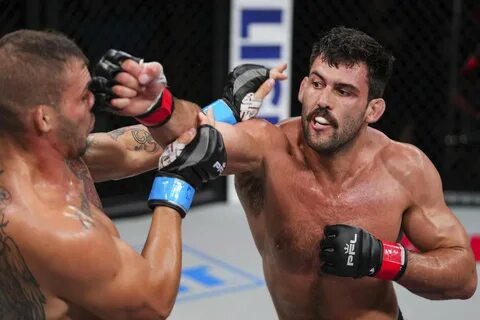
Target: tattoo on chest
{"points": [[79, 168], [20, 294]]}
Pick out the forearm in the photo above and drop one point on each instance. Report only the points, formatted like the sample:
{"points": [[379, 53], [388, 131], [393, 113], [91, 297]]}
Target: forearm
{"points": [[184, 117], [163, 251], [447, 273], [121, 153]]}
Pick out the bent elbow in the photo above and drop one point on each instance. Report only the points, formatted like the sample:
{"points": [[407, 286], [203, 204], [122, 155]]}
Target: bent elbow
{"points": [[164, 310], [469, 289]]}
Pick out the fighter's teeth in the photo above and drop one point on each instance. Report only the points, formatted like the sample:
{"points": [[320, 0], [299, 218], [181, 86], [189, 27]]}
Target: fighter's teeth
{"points": [[321, 120]]}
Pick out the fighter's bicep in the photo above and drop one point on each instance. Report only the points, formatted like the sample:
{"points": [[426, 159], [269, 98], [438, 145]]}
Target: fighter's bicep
{"points": [[428, 222], [433, 228]]}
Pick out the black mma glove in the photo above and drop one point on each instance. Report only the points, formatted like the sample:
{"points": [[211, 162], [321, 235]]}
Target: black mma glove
{"points": [[349, 251], [104, 79], [104, 73], [185, 169], [238, 102]]}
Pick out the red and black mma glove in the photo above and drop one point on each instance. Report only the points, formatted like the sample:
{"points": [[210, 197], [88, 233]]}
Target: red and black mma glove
{"points": [[238, 102], [202, 160], [349, 251], [103, 80]]}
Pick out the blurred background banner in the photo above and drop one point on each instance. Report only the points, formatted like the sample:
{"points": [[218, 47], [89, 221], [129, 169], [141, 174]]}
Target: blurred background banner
{"points": [[433, 99], [261, 33]]}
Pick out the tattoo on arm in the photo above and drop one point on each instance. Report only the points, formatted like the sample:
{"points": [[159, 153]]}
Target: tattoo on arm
{"points": [[145, 141], [115, 134], [20, 294]]}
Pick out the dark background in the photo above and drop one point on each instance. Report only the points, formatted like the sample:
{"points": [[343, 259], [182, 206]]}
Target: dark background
{"points": [[431, 103]]}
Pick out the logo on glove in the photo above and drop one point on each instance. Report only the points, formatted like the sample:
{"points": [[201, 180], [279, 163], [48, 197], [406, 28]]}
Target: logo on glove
{"points": [[350, 250], [219, 166]]}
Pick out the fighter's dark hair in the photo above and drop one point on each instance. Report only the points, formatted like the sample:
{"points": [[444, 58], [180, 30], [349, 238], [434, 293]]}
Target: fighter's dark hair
{"points": [[346, 46]]}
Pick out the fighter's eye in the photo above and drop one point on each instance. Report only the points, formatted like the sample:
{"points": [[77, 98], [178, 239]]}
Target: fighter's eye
{"points": [[343, 92]]}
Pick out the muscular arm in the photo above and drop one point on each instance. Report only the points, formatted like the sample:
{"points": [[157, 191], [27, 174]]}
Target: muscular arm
{"points": [[248, 143], [121, 153], [444, 268], [183, 118], [105, 276]]}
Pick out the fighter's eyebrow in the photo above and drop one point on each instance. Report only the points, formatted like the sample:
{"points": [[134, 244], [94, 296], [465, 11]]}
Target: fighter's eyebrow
{"points": [[348, 86], [341, 85]]}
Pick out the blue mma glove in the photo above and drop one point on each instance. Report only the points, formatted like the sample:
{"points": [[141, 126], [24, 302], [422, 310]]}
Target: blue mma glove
{"points": [[184, 168]]}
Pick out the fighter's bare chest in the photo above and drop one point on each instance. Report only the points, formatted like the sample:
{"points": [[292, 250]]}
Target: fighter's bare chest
{"points": [[297, 210]]}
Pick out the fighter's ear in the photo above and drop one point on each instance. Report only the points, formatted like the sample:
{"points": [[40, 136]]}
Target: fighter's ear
{"points": [[302, 89], [43, 118], [375, 109]]}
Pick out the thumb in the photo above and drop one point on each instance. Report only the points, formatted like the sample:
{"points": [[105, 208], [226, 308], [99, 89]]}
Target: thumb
{"points": [[187, 136], [208, 118], [150, 71], [174, 149]]}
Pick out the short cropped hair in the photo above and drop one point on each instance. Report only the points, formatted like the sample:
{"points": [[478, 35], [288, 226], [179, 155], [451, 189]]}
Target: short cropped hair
{"points": [[346, 46], [32, 70]]}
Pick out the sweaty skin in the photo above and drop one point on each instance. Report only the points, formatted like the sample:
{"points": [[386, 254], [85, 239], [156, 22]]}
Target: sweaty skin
{"points": [[330, 167], [61, 256], [290, 192], [287, 213]]}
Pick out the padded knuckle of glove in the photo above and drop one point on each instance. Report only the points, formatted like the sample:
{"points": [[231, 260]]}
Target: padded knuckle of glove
{"points": [[202, 160], [103, 80], [241, 81]]}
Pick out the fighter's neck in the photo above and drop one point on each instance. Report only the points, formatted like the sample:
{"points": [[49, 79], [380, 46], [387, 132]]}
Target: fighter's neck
{"points": [[36, 160], [344, 163]]}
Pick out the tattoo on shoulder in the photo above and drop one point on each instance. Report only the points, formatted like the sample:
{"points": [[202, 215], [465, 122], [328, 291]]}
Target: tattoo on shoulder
{"points": [[145, 141], [20, 294]]}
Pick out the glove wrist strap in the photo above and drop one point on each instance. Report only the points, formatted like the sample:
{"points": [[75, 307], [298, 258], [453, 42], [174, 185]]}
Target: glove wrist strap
{"points": [[394, 261], [160, 112], [172, 192], [221, 112]]}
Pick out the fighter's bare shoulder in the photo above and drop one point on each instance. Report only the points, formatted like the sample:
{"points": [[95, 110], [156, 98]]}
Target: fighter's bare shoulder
{"points": [[406, 163], [265, 132], [66, 240], [291, 129]]}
